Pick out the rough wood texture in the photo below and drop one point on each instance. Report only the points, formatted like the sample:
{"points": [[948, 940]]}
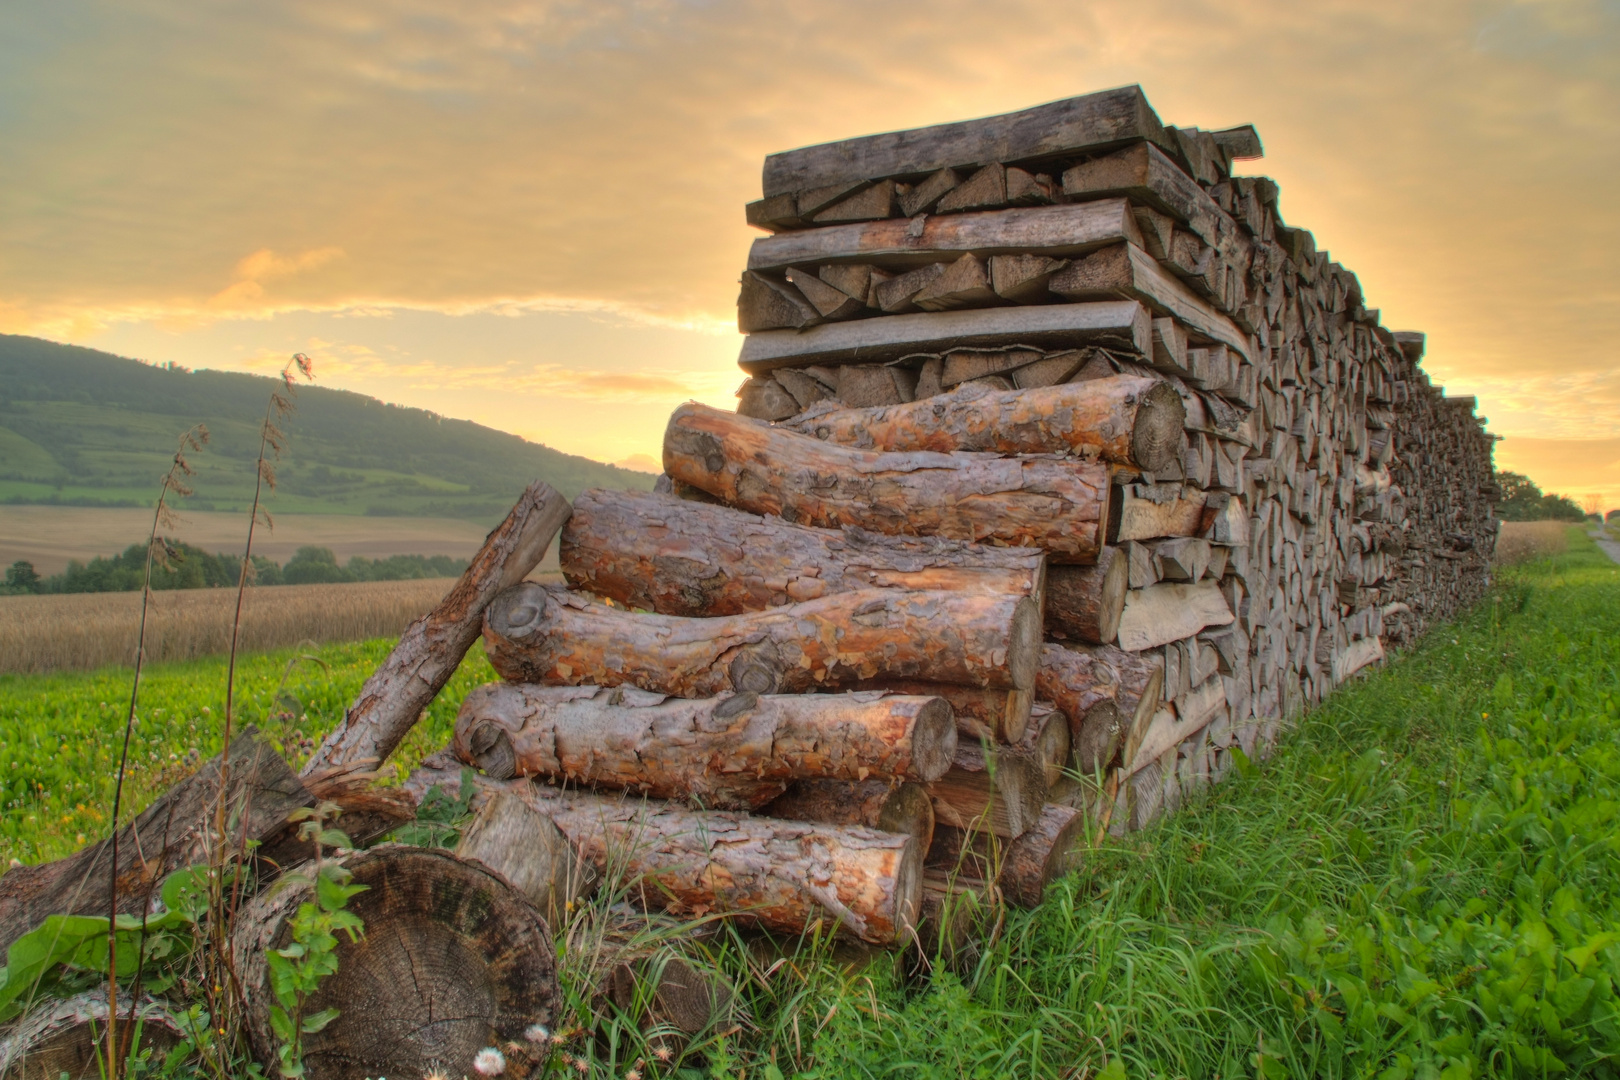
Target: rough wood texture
{"points": [[991, 788], [1140, 679], [525, 848], [737, 751], [669, 992], [981, 713], [69, 1037], [1168, 612], [675, 557], [1147, 511], [1047, 740], [1053, 232], [453, 960], [1089, 123], [1145, 174], [1059, 506], [878, 804], [431, 648], [1128, 272], [1084, 603], [1126, 420], [783, 875], [1085, 690], [173, 832], [956, 911], [1116, 324], [767, 304], [1053, 846], [547, 635]]}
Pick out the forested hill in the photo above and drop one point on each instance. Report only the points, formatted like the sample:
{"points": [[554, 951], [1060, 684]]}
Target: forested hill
{"points": [[83, 427]]}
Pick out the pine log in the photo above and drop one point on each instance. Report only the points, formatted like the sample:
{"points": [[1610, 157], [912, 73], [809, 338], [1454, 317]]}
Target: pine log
{"points": [[1147, 511], [453, 960], [1139, 679], [525, 848], [1024, 867], [432, 647], [674, 557], [1084, 603], [875, 804], [1114, 324], [1167, 612], [782, 875], [981, 713], [1126, 420], [68, 1037], [171, 833], [548, 635], [1056, 505], [732, 752], [990, 788]]}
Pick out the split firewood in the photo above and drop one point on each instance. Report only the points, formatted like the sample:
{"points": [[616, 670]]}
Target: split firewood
{"points": [[734, 752], [1139, 679], [1084, 603], [984, 190], [1047, 740], [782, 875], [453, 960], [1023, 867], [853, 280], [535, 633], [1056, 505], [1050, 370], [775, 213], [965, 283], [1145, 174], [68, 1036], [1157, 231], [1031, 189], [1127, 271], [805, 388], [1085, 690], [674, 557], [896, 294], [1147, 511], [921, 198], [170, 834], [1169, 612], [875, 202], [874, 384], [1170, 347], [992, 788], [1184, 558], [768, 304], [431, 648], [880, 804], [812, 200], [1022, 278], [830, 303], [977, 365], [764, 398], [1126, 420], [526, 849]]}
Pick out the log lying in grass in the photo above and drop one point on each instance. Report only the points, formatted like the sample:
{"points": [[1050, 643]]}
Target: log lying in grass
{"points": [[546, 635], [675, 557], [169, 834], [877, 804], [783, 875], [523, 846], [1059, 506], [1024, 867], [431, 648], [1084, 603], [954, 914], [68, 1037], [453, 960], [1124, 419], [737, 751], [665, 990]]}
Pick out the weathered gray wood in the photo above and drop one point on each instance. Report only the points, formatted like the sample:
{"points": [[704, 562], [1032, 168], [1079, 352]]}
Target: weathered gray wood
{"points": [[1120, 324], [68, 1037], [1168, 612], [1145, 173], [1128, 272], [1149, 511], [525, 848], [1089, 123]]}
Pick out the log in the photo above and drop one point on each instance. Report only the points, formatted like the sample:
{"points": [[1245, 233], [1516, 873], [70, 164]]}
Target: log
{"points": [[432, 647], [1022, 278], [1126, 420], [1086, 124], [68, 1037], [965, 283], [732, 752], [1147, 511], [782, 875], [1085, 602], [1053, 846], [171, 833], [990, 788], [879, 804], [1168, 612], [1129, 273], [1176, 723], [1056, 505], [1140, 679], [668, 991], [767, 304], [1085, 690], [1117, 324], [1047, 740], [998, 715], [530, 853], [830, 303], [954, 912], [453, 960], [547, 635], [673, 557], [1042, 232]]}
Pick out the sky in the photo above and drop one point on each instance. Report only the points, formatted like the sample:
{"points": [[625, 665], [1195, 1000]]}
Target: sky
{"points": [[530, 214]]}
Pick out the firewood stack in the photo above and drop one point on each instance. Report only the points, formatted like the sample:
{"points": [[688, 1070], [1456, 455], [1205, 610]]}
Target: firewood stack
{"points": [[1064, 472]]}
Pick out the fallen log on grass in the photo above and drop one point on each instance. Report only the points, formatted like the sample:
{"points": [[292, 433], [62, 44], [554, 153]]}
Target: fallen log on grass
{"points": [[735, 752], [548, 635], [453, 959]]}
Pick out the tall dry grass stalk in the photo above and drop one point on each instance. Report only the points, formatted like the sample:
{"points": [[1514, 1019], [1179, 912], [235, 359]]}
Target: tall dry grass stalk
{"points": [[1521, 541]]}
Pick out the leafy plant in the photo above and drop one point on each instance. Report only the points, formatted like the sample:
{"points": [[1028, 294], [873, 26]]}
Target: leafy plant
{"points": [[440, 816]]}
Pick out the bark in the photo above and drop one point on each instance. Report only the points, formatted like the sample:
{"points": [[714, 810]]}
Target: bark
{"points": [[997, 715], [431, 648], [737, 751], [171, 833], [1023, 868], [525, 848], [1125, 419], [453, 960], [547, 635], [1057, 505], [1084, 603], [1140, 680], [1148, 511], [782, 875], [990, 788], [875, 804], [69, 1037], [674, 557], [1085, 690]]}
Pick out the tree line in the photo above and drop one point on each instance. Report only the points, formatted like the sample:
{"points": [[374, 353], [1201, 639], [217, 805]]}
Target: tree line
{"points": [[1522, 500]]}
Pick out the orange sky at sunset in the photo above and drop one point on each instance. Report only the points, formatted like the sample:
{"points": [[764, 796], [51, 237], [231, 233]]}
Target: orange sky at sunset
{"points": [[530, 214]]}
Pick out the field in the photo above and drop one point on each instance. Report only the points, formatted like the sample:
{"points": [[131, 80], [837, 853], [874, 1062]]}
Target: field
{"points": [[1521, 541], [1423, 882]]}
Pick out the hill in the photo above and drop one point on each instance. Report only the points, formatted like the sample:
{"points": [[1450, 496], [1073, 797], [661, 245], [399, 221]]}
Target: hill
{"points": [[81, 427]]}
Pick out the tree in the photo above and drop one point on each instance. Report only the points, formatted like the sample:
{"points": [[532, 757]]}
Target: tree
{"points": [[21, 577], [1522, 500]]}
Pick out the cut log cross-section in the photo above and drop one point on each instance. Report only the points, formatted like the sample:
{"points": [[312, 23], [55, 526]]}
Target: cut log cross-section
{"points": [[677, 557], [1126, 420], [1051, 847], [547, 635], [1057, 505], [1084, 603], [522, 845], [732, 752], [1086, 691]]}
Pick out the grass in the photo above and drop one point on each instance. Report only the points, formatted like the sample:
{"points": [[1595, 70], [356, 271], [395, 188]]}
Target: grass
{"points": [[1424, 881], [1521, 541]]}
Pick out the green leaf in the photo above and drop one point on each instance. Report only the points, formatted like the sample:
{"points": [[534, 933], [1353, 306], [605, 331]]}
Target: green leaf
{"points": [[1114, 1070], [319, 1020]]}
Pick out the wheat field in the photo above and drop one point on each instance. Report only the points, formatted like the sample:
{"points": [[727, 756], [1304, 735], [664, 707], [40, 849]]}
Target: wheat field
{"points": [[1521, 541], [84, 631]]}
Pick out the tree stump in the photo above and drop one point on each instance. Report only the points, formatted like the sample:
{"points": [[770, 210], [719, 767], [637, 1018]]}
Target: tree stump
{"points": [[69, 1037]]}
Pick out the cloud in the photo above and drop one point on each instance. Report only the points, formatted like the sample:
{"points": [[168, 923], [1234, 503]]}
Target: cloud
{"points": [[247, 294]]}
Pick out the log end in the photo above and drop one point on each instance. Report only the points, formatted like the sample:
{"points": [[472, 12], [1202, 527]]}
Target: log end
{"points": [[1157, 434], [1115, 583], [517, 612], [933, 739], [1024, 644]]}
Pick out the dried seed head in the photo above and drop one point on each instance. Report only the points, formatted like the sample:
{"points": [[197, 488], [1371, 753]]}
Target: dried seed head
{"points": [[537, 1033], [489, 1062]]}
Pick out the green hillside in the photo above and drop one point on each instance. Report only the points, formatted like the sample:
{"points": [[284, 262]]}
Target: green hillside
{"points": [[82, 427]]}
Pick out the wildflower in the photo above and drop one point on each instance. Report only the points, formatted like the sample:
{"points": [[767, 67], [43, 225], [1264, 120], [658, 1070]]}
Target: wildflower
{"points": [[662, 1053], [435, 1073], [581, 1066], [489, 1062], [537, 1033]]}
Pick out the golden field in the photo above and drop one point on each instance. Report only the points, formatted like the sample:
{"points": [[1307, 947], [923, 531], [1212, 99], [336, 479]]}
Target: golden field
{"points": [[1521, 541]]}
